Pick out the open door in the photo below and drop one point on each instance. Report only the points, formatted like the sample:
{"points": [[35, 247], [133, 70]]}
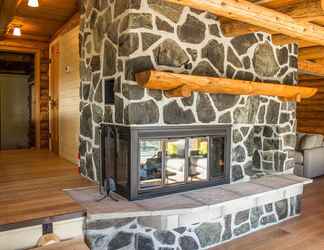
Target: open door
{"points": [[54, 94]]}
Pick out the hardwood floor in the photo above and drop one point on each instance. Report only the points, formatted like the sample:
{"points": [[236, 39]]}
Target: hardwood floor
{"points": [[76, 244], [31, 187], [305, 232]]}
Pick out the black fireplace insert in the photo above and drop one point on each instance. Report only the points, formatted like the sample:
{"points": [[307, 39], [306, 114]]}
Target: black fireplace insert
{"points": [[148, 161]]}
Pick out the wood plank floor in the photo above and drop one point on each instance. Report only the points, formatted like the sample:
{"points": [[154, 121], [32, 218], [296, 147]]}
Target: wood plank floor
{"points": [[31, 187], [305, 232], [75, 244]]}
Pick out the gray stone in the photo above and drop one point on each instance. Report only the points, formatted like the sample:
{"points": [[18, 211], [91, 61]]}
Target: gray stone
{"points": [[119, 109], [93, 18], [270, 144], [142, 113], [256, 214], [267, 131], [230, 71], [215, 53], [282, 55], [86, 122], [244, 130], [237, 173], [155, 93], [244, 228], [283, 71], [264, 61], [169, 10], [112, 31], [89, 166], [225, 118], [95, 63], [223, 101], [173, 114], [97, 135], [237, 136], [128, 44], [108, 114], [214, 29], [188, 243], [268, 219], [136, 21], [85, 91], [242, 43], [193, 53], [188, 101], [82, 147], [110, 57], [238, 154], [289, 140], [165, 237], [149, 39], [233, 59], [244, 75], [144, 242], [256, 159], [204, 108], [169, 53], [85, 72], [273, 112], [247, 62], [279, 161], [121, 6], [136, 65], [269, 207], [261, 114], [208, 233], [192, 31], [180, 230], [163, 25], [98, 93], [282, 209], [97, 113], [249, 143], [95, 79], [133, 92], [293, 62], [121, 239], [242, 216], [204, 69], [228, 228], [98, 34], [284, 117], [247, 113], [100, 242]]}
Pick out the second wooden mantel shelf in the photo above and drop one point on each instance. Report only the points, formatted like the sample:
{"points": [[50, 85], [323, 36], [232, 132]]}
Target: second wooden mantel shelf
{"points": [[181, 85]]}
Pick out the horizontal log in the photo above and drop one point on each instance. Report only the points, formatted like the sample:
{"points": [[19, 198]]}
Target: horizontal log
{"points": [[314, 130], [243, 11], [280, 39], [171, 82], [311, 68], [311, 53]]}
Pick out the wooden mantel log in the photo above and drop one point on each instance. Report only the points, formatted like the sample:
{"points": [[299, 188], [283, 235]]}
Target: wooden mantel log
{"points": [[244, 11], [179, 85]]}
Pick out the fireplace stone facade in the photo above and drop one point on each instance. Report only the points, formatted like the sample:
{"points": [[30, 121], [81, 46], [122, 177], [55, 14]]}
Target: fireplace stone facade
{"points": [[121, 37]]}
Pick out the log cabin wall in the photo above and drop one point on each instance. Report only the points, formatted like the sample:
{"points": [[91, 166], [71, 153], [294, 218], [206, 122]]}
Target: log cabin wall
{"points": [[124, 37], [44, 98], [310, 112]]}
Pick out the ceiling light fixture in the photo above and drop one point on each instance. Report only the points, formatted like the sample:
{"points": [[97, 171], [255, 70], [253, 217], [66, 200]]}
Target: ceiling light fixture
{"points": [[16, 31], [33, 3]]}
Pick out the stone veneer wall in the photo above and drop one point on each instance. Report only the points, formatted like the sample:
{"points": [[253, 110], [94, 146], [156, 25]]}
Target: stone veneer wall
{"points": [[131, 233], [121, 37]]}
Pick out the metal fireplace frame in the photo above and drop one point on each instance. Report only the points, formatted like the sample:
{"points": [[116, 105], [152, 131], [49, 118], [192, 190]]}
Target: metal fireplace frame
{"points": [[133, 134]]}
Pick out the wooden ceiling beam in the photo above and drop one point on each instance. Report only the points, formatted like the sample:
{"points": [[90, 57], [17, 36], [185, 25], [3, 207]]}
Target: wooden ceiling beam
{"points": [[311, 53], [73, 22], [305, 11], [23, 43], [243, 10], [280, 39], [7, 11], [13, 57]]}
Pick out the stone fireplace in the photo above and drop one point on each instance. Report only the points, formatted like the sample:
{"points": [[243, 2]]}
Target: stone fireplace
{"points": [[153, 134], [121, 38]]}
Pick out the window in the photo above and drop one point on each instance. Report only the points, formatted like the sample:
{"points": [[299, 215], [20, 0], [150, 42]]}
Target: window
{"points": [[179, 161]]}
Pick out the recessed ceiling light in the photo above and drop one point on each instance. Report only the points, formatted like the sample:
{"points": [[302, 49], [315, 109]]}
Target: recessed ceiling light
{"points": [[16, 31], [33, 3]]}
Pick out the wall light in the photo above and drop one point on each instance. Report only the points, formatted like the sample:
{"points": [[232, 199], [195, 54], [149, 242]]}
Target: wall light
{"points": [[33, 3], [16, 31]]}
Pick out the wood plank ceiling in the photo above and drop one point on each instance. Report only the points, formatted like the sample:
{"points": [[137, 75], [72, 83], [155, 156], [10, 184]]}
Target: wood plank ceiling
{"points": [[38, 24]]}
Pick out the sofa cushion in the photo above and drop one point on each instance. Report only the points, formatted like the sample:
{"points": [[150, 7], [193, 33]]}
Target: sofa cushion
{"points": [[310, 141]]}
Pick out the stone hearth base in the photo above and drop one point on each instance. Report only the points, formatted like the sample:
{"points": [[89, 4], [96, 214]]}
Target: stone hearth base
{"points": [[198, 219]]}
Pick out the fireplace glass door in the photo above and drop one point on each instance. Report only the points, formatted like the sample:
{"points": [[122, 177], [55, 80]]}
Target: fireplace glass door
{"points": [[180, 161]]}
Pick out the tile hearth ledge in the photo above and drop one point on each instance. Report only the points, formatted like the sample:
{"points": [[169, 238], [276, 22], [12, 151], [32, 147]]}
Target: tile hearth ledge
{"points": [[182, 209]]}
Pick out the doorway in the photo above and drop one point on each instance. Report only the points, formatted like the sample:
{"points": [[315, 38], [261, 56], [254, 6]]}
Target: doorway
{"points": [[17, 101]]}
